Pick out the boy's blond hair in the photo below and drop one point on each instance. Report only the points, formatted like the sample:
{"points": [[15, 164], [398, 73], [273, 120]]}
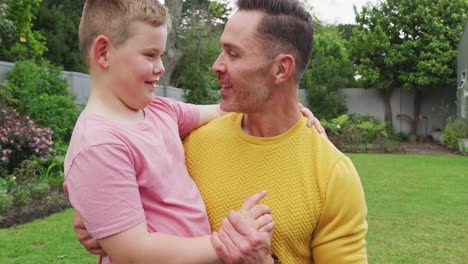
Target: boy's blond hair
{"points": [[114, 19]]}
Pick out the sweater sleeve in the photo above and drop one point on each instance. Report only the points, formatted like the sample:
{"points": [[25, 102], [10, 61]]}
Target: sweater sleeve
{"points": [[340, 234]]}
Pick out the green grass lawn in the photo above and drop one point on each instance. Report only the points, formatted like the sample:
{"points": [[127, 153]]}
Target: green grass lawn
{"points": [[51, 240], [417, 207], [418, 213]]}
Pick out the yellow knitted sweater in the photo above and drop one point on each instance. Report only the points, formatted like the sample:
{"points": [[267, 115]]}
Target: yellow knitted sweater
{"points": [[314, 191]]}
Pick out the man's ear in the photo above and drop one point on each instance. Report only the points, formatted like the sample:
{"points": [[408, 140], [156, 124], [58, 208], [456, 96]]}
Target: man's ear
{"points": [[284, 68], [101, 51]]}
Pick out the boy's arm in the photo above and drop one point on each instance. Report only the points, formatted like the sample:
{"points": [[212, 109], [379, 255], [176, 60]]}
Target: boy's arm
{"points": [[208, 113], [137, 245]]}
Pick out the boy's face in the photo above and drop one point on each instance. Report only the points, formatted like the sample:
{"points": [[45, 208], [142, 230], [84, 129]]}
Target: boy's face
{"points": [[136, 65]]}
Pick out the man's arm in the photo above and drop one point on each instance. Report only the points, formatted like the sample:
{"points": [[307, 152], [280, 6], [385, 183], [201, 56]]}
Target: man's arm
{"points": [[340, 234]]}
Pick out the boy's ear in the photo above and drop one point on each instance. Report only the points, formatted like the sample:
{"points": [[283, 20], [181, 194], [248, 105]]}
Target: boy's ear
{"points": [[101, 51], [284, 67]]}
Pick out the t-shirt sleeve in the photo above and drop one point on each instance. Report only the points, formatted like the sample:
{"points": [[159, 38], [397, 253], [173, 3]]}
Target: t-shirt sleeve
{"points": [[340, 234], [103, 190], [187, 116]]}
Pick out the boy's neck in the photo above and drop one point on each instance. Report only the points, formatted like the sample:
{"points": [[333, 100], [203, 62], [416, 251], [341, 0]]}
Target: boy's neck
{"points": [[104, 103]]}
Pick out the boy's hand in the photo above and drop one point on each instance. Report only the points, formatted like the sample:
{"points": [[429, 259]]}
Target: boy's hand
{"points": [[311, 119], [246, 235]]}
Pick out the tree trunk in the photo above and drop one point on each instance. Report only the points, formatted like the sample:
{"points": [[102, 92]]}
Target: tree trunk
{"points": [[173, 55], [417, 112], [388, 107]]}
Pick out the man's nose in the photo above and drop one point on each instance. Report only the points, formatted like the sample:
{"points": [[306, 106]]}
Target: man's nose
{"points": [[218, 65]]}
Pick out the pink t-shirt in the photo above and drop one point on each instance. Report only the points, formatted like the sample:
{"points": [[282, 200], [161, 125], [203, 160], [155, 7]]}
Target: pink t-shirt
{"points": [[119, 176]]}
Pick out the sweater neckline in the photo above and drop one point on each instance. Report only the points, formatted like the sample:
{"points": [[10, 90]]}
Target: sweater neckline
{"points": [[266, 140]]}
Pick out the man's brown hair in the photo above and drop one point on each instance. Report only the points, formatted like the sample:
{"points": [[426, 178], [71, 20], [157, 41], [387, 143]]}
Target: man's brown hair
{"points": [[114, 19], [285, 27]]}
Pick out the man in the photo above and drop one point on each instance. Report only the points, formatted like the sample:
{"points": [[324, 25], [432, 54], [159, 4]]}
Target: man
{"points": [[315, 194]]}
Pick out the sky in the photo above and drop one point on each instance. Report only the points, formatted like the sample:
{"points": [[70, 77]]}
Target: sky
{"points": [[337, 11]]}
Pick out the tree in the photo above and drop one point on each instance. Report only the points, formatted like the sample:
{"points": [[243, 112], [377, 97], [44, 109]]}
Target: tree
{"points": [[188, 17], [330, 69], [415, 44], [58, 21], [199, 33], [7, 28], [374, 54], [22, 13], [173, 54]]}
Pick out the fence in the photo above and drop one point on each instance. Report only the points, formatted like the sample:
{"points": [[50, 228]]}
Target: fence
{"points": [[436, 105]]}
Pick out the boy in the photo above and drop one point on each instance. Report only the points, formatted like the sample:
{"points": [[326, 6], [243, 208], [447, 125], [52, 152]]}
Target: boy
{"points": [[125, 167]]}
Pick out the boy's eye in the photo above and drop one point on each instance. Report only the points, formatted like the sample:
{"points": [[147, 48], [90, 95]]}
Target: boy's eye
{"points": [[150, 55]]}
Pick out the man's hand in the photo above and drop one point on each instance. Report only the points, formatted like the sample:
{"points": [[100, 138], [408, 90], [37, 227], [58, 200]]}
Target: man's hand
{"points": [[88, 242], [312, 120], [246, 235]]}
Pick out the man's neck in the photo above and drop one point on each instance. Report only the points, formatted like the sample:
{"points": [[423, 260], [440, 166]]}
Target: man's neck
{"points": [[274, 119]]}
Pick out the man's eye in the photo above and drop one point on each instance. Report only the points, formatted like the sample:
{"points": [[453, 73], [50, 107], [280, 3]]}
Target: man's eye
{"points": [[150, 55], [232, 53]]}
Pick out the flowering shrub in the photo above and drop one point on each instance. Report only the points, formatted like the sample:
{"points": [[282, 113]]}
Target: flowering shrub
{"points": [[21, 139], [40, 92]]}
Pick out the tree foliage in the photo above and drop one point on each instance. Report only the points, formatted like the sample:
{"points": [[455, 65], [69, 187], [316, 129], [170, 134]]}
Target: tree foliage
{"points": [[411, 44], [22, 13], [58, 21], [329, 70], [199, 34], [187, 17], [7, 28]]}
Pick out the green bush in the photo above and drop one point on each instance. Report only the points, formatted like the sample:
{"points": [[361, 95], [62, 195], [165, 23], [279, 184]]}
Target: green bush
{"points": [[28, 173], [40, 92], [8, 183], [52, 171], [455, 128], [21, 196], [28, 183], [6, 201], [197, 85], [360, 133], [39, 190], [324, 102]]}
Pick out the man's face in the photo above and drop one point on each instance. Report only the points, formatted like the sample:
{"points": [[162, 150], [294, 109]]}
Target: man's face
{"points": [[243, 68]]}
